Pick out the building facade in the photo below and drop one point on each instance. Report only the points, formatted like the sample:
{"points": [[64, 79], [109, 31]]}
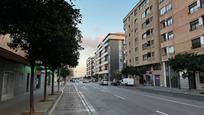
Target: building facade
{"points": [[143, 40], [14, 72], [181, 30], [90, 66], [109, 56], [157, 30]]}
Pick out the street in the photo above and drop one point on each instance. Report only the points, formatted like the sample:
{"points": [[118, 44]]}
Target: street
{"points": [[93, 99]]}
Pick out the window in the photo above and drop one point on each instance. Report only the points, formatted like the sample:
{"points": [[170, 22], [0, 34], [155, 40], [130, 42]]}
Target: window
{"points": [[136, 49], [198, 42], [169, 21], [136, 58], [106, 67], [168, 50], [202, 3], [130, 61], [201, 76], [170, 35], [147, 33], [146, 12], [168, 8], [143, 4], [135, 12], [147, 22], [193, 8], [162, 10], [106, 58], [166, 23], [148, 56], [194, 25], [160, 1], [165, 9], [167, 36]]}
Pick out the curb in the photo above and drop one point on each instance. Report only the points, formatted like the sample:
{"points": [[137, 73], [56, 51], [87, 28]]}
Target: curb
{"points": [[175, 94], [52, 108]]}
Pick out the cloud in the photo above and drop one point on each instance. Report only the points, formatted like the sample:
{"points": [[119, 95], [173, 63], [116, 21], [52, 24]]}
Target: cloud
{"points": [[90, 46], [88, 42]]}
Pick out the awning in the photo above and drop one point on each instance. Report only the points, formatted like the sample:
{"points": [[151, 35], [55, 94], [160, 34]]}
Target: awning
{"points": [[8, 55]]}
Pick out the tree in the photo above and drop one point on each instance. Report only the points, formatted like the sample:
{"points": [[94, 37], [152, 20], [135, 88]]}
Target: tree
{"points": [[64, 73], [188, 63], [34, 23], [134, 70]]}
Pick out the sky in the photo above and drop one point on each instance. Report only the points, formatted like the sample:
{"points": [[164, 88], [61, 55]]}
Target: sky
{"points": [[99, 17]]}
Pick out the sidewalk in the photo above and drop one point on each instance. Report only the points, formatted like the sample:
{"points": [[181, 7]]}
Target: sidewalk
{"points": [[20, 104], [184, 93], [71, 103], [175, 90]]}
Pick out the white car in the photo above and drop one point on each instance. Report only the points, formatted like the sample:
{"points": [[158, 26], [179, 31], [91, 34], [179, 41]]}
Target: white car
{"points": [[127, 81], [104, 82]]}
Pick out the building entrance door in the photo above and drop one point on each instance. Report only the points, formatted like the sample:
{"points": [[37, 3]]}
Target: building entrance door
{"points": [[157, 80], [8, 86]]}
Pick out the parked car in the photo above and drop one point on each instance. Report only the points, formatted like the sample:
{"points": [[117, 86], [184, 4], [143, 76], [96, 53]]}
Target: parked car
{"points": [[127, 81], [115, 82], [104, 82]]}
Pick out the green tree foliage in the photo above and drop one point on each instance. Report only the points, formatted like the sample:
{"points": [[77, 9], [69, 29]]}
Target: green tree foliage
{"points": [[64, 72], [45, 29], [188, 63], [134, 70]]}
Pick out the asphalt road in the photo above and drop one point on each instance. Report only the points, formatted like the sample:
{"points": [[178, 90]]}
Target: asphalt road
{"points": [[93, 99]]}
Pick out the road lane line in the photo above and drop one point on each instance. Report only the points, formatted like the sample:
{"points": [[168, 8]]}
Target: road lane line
{"points": [[120, 97], [161, 112], [87, 105], [57, 101], [173, 101], [82, 100]]}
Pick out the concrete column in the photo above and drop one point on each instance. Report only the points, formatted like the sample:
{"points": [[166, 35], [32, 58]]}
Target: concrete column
{"points": [[164, 71]]}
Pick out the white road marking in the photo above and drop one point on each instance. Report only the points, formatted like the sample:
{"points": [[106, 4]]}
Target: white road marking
{"points": [[57, 101], [173, 101], [161, 112], [120, 97], [87, 105]]}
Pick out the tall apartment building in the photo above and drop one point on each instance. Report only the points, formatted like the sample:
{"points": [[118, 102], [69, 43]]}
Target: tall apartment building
{"points": [[109, 55], [161, 29], [90, 66], [181, 30], [143, 40]]}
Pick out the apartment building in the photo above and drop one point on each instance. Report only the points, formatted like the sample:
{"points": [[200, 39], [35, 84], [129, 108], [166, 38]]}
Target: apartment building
{"points": [[156, 30], [90, 66], [181, 30], [109, 56], [142, 38]]}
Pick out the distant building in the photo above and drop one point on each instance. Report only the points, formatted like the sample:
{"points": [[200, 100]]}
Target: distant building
{"points": [[109, 55], [90, 66]]}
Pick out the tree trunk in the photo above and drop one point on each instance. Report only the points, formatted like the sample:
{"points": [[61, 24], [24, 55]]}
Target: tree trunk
{"points": [[58, 81], [31, 90], [53, 77], [45, 84]]}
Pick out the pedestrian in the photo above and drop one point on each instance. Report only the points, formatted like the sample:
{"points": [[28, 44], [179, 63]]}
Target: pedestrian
{"points": [[144, 82]]}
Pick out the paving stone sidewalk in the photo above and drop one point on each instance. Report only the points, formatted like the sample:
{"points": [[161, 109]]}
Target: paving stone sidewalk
{"points": [[20, 104]]}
